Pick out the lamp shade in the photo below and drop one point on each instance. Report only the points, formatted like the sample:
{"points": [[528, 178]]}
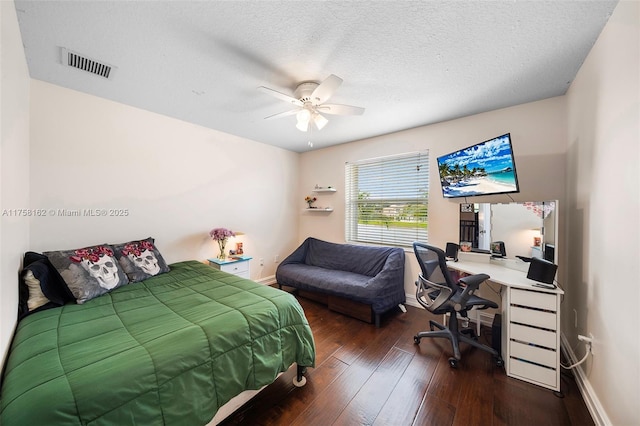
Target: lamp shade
{"points": [[319, 121], [303, 115]]}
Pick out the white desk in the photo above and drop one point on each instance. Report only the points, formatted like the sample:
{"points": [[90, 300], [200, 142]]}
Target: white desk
{"points": [[530, 321]]}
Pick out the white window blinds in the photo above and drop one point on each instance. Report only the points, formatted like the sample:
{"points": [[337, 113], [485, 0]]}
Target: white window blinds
{"points": [[386, 200]]}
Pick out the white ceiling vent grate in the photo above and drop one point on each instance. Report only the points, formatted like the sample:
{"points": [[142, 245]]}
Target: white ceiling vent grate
{"points": [[76, 60]]}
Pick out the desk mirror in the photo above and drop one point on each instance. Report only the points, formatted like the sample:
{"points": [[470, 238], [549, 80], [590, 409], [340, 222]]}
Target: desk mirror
{"points": [[527, 229]]}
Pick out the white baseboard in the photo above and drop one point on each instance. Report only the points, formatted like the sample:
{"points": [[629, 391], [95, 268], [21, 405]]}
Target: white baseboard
{"points": [[596, 410], [412, 301], [271, 279]]}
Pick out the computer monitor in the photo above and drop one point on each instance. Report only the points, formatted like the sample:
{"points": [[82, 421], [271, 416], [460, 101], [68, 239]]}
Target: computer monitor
{"points": [[549, 252], [542, 270], [451, 251], [497, 249]]}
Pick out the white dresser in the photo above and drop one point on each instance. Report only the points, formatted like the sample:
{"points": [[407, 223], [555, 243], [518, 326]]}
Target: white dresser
{"points": [[530, 322], [240, 266], [531, 337]]}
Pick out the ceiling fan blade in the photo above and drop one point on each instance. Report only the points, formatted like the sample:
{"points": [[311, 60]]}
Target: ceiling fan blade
{"points": [[338, 109], [326, 89], [280, 95], [282, 114]]}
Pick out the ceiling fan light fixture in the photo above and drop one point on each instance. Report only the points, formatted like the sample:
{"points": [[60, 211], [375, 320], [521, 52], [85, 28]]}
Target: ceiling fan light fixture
{"points": [[310, 98], [319, 121], [303, 115]]}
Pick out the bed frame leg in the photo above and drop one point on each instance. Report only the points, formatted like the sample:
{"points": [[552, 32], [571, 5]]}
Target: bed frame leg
{"points": [[299, 381]]}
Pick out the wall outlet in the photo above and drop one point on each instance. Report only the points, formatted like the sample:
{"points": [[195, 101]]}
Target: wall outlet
{"points": [[261, 262], [588, 340], [276, 259]]}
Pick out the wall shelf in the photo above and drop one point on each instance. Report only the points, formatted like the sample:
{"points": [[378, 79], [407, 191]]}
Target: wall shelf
{"points": [[319, 190], [323, 209]]}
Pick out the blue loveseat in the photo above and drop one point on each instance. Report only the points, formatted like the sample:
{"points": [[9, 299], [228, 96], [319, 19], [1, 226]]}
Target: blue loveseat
{"points": [[370, 277]]}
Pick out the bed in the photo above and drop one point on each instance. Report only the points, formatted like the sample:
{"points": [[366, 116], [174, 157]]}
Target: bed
{"points": [[171, 349]]}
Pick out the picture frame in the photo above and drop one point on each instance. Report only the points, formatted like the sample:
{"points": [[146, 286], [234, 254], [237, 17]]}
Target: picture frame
{"points": [[466, 207]]}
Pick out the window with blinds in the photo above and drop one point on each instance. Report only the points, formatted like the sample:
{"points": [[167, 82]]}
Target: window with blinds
{"points": [[386, 200]]}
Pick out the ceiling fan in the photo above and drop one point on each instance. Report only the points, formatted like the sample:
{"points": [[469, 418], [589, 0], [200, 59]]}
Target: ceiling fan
{"points": [[310, 98]]}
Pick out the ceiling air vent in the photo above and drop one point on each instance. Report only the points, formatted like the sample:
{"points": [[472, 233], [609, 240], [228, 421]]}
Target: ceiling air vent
{"points": [[76, 60]]}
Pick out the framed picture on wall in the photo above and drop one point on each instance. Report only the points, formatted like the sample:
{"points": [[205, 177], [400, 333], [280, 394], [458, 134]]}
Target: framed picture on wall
{"points": [[466, 207]]}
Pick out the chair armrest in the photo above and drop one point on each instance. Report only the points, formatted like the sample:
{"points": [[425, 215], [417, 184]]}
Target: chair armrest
{"points": [[431, 295], [471, 283]]}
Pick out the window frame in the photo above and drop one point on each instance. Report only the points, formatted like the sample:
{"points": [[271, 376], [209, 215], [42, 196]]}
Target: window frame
{"points": [[398, 194]]}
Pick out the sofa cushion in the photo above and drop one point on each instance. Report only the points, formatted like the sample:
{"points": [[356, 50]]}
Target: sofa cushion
{"points": [[339, 283], [364, 260]]}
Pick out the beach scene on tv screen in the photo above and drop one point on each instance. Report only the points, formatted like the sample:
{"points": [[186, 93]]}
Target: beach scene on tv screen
{"points": [[485, 168]]}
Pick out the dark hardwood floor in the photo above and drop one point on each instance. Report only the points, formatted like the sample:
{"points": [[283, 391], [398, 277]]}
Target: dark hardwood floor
{"points": [[377, 376]]}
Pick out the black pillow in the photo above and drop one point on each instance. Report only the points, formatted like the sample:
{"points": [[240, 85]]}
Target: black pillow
{"points": [[51, 284], [56, 286]]}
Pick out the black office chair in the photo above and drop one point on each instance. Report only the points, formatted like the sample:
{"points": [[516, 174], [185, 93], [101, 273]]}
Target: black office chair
{"points": [[440, 294]]}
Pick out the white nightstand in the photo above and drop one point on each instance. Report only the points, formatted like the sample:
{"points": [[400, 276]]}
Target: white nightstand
{"points": [[238, 265]]}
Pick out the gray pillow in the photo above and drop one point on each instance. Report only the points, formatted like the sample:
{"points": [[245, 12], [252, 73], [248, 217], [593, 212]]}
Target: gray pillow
{"points": [[140, 259], [88, 272]]}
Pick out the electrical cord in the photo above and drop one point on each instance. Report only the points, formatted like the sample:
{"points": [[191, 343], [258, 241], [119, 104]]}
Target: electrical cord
{"points": [[584, 358]]}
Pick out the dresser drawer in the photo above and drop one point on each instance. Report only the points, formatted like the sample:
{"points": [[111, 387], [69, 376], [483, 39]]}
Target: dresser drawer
{"points": [[535, 354], [534, 373], [533, 335], [532, 317], [534, 299], [236, 268], [244, 274]]}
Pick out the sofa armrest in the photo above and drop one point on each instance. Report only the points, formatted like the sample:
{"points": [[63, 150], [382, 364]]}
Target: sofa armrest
{"points": [[299, 255], [392, 272]]}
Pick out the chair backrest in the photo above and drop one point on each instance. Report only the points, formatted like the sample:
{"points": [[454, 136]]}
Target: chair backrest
{"points": [[433, 263]]}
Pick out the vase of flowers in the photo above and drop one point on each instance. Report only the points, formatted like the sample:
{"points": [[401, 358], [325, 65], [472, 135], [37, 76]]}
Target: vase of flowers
{"points": [[310, 200], [221, 236]]}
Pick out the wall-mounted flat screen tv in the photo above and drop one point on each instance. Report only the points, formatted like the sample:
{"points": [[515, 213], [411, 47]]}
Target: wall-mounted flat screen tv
{"points": [[486, 168]]}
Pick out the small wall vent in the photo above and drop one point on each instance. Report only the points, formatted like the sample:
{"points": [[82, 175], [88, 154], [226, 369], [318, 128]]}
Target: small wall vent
{"points": [[76, 60]]}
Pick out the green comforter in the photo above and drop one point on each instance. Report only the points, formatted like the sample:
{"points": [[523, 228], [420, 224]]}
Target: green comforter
{"points": [[168, 350]]}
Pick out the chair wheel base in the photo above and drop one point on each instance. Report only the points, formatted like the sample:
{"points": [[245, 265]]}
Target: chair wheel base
{"points": [[416, 340], [453, 362]]}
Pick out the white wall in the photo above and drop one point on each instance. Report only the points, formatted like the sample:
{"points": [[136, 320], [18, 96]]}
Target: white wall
{"points": [[14, 167], [177, 180], [538, 133], [603, 189]]}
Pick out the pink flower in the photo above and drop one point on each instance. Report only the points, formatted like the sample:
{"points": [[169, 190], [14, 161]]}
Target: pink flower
{"points": [[137, 248], [92, 254], [221, 234]]}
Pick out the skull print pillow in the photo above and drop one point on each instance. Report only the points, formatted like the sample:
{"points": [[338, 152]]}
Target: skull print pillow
{"points": [[88, 272], [140, 259]]}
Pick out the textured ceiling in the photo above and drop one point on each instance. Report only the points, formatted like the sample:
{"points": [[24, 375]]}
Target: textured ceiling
{"points": [[409, 63]]}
